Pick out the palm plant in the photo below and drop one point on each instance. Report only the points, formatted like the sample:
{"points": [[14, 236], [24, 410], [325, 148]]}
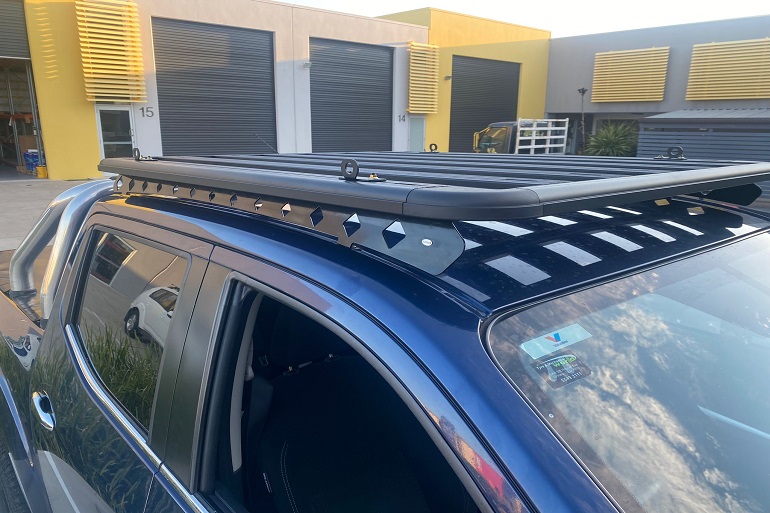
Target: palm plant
{"points": [[614, 140]]}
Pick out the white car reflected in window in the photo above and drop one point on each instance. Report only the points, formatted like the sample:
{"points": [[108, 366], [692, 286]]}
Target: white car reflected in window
{"points": [[150, 314]]}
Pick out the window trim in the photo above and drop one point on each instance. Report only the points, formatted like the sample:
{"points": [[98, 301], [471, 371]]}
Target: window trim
{"points": [[105, 398], [73, 315], [152, 452], [92, 383]]}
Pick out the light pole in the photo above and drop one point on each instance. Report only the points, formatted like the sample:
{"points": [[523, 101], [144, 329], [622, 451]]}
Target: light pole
{"points": [[583, 92]]}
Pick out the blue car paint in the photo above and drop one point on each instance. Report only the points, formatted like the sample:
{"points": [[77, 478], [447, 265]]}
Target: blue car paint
{"points": [[440, 330], [438, 327]]}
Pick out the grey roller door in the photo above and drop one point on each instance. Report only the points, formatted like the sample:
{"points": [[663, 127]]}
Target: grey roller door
{"points": [[484, 91], [13, 30], [216, 88], [351, 96], [747, 141]]}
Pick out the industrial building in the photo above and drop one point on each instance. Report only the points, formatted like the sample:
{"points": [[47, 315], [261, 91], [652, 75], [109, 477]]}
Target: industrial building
{"points": [[257, 77], [702, 86], [81, 80]]}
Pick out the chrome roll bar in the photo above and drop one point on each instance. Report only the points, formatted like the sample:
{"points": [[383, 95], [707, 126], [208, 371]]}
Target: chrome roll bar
{"points": [[61, 221]]}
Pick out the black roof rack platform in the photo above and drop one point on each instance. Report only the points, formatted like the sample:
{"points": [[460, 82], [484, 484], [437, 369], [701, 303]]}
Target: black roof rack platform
{"points": [[447, 186], [403, 204]]}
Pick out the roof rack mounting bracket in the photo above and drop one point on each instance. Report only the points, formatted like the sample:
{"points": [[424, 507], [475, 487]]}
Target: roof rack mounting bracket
{"points": [[139, 158], [744, 194], [350, 169], [397, 237]]}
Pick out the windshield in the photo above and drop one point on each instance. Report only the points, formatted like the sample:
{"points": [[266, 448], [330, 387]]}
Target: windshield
{"points": [[659, 382], [165, 298], [493, 139]]}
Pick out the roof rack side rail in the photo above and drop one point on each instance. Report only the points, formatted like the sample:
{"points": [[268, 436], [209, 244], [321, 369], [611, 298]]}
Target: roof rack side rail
{"points": [[502, 199]]}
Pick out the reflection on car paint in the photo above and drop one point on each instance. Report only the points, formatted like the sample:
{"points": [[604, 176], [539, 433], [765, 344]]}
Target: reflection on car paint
{"points": [[25, 348], [485, 471], [84, 447]]}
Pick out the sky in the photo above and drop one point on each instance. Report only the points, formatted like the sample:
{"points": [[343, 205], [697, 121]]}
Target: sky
{"points": [[566, 17]]}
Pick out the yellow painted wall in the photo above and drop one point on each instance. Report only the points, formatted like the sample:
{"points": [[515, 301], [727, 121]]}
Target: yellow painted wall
{"points": [[415, 17], [470, 36], [67, 119], [455, 29], [533, 57]]}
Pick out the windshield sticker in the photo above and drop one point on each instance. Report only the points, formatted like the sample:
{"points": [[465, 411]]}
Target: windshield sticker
{"points": [[552, 342], [562, 370]]}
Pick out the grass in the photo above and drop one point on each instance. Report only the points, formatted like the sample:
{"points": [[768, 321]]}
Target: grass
{"points": [[128, 368]]}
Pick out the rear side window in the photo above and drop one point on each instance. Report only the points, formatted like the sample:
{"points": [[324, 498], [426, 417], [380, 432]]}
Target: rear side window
{"points": [[125, 313]]}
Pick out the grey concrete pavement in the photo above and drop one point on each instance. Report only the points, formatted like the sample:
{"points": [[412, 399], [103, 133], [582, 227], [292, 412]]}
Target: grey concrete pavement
{"points": [[21, 203]]}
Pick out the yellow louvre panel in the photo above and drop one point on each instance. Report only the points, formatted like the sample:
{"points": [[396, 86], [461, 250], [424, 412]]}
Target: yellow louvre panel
{"points": [[423, 79], [630, 76], [111, 50], [730, 71]]}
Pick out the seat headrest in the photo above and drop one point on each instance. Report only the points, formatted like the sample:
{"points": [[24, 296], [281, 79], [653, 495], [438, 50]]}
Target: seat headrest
{"points": [[297, 339]]}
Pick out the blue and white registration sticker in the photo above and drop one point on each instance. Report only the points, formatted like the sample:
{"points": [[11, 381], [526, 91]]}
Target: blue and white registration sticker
{"points": [[555, 341]]}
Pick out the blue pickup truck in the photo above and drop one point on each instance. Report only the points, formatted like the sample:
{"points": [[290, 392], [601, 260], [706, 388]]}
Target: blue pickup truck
{"points": [[387, 332]]}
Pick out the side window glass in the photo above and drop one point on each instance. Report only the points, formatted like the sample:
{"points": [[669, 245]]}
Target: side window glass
{"points": [[125, 313], [302, 422]]}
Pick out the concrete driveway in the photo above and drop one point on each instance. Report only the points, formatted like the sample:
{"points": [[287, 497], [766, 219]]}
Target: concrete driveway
{"points": [[21, 203]]}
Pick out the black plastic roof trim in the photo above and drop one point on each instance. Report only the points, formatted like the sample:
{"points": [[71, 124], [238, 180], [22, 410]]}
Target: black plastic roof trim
{"points": [[439, 201]]}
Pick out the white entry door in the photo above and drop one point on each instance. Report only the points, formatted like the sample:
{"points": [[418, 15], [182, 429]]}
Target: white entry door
{"points": [[116, 130]]}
